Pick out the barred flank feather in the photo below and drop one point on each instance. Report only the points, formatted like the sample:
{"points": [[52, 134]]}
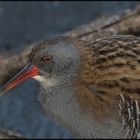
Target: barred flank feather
{"points": [[130, 114]]}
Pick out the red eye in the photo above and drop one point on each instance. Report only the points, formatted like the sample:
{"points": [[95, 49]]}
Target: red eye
{"points": [[46, 58]]}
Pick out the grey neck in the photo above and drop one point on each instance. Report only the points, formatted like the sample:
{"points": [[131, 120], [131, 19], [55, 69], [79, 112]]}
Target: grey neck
{"points": [[61, 104]]}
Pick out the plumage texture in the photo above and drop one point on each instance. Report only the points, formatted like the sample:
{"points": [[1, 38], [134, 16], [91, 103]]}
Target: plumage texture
{"points": [[97, 95], [107, 84], [110, 71]]}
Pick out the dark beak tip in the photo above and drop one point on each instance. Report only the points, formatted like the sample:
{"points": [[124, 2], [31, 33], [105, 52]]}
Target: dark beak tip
{"points": [[2, 91], [27, 72]]}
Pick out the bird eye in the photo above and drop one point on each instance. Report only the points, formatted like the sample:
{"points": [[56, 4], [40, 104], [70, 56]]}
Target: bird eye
{"points": [[46, 58]]}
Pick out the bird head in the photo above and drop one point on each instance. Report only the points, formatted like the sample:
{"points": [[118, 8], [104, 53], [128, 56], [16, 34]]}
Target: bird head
{"points": [[53, 62]]}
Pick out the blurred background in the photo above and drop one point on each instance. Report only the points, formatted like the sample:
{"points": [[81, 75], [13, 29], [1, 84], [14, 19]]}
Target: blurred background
{"points": [[22, 23]]}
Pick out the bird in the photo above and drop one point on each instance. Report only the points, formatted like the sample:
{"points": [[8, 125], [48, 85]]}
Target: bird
{"points": [[91, 87]]}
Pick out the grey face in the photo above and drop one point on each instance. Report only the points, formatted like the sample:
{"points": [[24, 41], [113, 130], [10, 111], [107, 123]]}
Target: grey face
{"points": [[58, 60]]}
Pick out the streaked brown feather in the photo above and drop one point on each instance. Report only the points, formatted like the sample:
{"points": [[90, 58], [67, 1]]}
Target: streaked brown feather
{"points": [[112, 66]]}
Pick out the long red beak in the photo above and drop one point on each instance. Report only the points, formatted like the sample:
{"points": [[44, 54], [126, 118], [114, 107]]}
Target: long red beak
{"points": [[27, 72]]}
